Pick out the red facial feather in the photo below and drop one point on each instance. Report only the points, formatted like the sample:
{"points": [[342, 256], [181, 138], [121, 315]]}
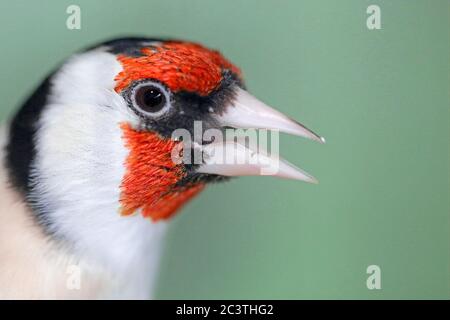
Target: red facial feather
{"points": [[150, 179], [151, 176], [179, 65]]}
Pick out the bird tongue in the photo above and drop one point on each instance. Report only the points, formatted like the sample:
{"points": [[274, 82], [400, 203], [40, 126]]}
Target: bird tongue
{"points": [[238, 158]]}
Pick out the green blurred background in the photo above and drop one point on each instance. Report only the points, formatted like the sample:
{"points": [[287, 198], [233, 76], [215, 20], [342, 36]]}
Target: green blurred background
{"points": [[381, 98]]}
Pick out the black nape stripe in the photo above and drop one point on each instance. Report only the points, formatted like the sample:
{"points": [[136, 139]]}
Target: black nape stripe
{"points": [[20, 149]]}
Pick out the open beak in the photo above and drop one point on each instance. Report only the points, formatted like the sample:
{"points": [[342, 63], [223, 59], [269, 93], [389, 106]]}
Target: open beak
{"points": [[243, 158]]}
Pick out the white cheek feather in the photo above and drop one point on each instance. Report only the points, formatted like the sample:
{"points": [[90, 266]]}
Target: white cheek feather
{"points": [[78, 171]]}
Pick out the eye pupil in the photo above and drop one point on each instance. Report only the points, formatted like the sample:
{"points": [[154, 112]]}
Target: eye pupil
{"points": [[150, 99], [153, 97]]}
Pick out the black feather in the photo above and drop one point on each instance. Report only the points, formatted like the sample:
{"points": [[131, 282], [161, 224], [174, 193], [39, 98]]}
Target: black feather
{"points": [[20, 149], [130, 46]]}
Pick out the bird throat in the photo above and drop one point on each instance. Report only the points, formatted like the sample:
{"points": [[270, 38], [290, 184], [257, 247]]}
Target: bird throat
{"points": [[150, 183]]}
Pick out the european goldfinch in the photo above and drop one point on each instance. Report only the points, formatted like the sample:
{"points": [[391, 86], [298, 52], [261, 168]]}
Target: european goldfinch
{"points": [[90, 155]]}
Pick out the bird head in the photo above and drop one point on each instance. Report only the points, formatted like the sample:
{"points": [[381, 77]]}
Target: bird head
{"points": [[102, 130]]}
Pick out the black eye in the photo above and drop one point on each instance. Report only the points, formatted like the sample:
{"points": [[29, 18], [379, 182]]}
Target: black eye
{"points": [[150, 98]]}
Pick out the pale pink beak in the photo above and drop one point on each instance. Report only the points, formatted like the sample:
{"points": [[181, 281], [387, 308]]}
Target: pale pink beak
{"points": [[247, 112]]}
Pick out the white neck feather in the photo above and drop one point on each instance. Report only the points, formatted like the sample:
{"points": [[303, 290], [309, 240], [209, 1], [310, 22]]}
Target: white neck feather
{"points": [[78, 172]]}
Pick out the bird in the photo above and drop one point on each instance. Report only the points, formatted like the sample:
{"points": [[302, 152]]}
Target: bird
{"points": [[92, 173]]}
